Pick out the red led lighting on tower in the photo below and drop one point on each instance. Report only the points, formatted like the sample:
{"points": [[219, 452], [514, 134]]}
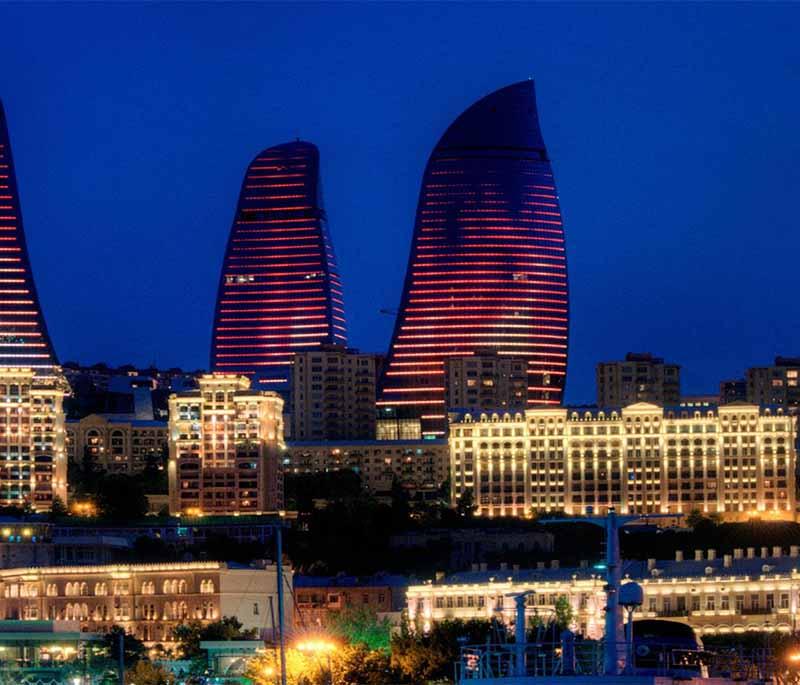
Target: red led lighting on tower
{"points": [[487, 268], [279, 290]]}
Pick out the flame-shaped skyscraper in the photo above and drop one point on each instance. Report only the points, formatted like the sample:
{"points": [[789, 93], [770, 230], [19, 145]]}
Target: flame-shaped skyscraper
{"points": [[488, 267]]}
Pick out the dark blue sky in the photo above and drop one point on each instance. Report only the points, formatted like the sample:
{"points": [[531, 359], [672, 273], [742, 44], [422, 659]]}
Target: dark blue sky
{"points": [[673, 130]]}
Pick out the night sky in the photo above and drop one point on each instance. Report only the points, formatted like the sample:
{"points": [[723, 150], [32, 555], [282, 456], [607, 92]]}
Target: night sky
{"points": [[673, 130]]}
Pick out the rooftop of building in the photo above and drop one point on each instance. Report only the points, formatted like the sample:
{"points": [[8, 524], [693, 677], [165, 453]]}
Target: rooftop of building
{"points": [[345, 581], [763, 562], [334, 444]]}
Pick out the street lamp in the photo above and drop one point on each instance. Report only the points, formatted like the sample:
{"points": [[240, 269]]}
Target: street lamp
{"points": [[318, 647]]}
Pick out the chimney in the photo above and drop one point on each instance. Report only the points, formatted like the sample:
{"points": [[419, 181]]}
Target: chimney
{"points": [[476, 567], [554, 563], [439, 576], [738, 553], [651, 564], [515, 568], [503, 566], [678, 555], [712, 554], [698, 555], [727, 561], [584, 563], [751, 552], [484, 567], [777, 551], [764, 552], [539, 564], [794, 550]]}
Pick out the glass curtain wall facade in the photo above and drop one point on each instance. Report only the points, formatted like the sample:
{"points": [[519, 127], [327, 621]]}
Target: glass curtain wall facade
{"points": [[279, 291], [24, 341], [487, 269]]}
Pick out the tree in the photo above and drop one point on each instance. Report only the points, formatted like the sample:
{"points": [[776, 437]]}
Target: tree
{"points": [[121, 498], [134, 648], [57, 509], [148, 673], [466, 504], [564, 613], [190, 634], [360, 626], [359, 665], [420, 657]]}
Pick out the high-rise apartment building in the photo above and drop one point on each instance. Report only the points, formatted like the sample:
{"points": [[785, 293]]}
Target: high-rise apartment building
{"points": [[225, 446], [487, 267], [333, 394], [486, 381], [33, 461], [24, 341], [642, 377], [279, 291], [736, 460], [777, 385]]}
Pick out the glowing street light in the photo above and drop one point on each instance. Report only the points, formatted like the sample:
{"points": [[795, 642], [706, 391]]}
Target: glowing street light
{"points": [[318, 646]]}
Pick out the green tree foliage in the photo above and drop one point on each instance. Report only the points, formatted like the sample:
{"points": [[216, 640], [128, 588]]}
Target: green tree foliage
{"points": [[148, 673], [121, 498], [360, 626], [134, 649], [420, 657], [301, 489], [359, 665], [564, 614], [465, 507], [190, 634]]}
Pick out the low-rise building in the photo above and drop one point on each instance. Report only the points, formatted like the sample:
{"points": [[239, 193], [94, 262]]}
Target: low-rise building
{"points": [[148, 600], [732, 594], [417, 464], [318, 598], [736, 460], [117, 443]]}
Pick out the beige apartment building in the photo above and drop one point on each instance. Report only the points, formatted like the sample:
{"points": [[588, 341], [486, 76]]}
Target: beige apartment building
{"points": [[417, 464], [641, 377], [486, 381], [116, 443], [333, 394], [733, 593], [148, 600], [736, 460], [225, 448], [33, 462]]}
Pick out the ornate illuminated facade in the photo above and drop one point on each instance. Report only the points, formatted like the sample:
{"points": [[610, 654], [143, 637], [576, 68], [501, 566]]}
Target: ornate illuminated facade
{"points": [[747, 590], [24, 341], [736, 460], [147, 600], [225, 448], [33, 462], [279, 291], [488, 263]]}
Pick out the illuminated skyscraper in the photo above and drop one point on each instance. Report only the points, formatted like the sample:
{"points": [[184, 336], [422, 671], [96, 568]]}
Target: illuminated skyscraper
{"points": [[279, 291], [24, 341], [488, 263]]}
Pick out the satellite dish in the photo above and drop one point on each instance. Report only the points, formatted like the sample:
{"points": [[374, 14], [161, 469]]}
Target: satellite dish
{"points": [[631, 595]]}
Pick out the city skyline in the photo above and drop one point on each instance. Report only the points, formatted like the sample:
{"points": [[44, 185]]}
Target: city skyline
{"points": [[661, 210]]}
